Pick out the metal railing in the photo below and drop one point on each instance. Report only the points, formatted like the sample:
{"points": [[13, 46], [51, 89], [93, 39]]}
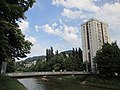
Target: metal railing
{"points": [[25, 74]]}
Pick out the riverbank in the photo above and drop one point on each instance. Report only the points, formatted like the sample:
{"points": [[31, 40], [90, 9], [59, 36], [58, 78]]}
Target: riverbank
{"points": [[96, 81], [108, 82], [7, 83]]}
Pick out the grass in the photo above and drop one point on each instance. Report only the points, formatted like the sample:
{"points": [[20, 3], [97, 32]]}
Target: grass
{"points": [[109, 82], [7, 83], [96, 81], [113, 83]]}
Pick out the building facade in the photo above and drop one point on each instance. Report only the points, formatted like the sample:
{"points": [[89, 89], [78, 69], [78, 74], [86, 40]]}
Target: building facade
{"points": [[94, 34]]}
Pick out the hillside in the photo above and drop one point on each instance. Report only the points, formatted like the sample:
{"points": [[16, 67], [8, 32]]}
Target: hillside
{"points": [[35, 58], [67, 52]]}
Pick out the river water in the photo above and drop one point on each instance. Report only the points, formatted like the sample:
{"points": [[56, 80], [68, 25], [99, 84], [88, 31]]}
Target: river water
{"points": [[53, 84]]}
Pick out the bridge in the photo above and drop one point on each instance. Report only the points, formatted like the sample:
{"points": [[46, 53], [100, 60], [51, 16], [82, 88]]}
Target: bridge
{"points": [[34, 74]]}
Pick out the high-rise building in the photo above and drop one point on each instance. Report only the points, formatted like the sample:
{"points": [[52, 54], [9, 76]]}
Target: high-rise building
{"points": [[94, 34]]}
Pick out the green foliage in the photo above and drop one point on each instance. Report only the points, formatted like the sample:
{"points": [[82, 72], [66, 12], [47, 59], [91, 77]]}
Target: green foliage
{"points": [[56, 53], [12, 42], [108, 60], [62, 61], [58, 61], [111, 83], [12, 11], [35, 58], [10, 66], [49, 54], [7, 83]]}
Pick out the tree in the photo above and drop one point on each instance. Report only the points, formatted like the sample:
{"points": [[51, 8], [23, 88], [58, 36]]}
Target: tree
{"points": [[47, 55], [73, 52], [61, 62], [56, 53], [76, 51], [116, 58], [80, 54], [12, 42], [107, 60], [51, 52], [10, 66]]}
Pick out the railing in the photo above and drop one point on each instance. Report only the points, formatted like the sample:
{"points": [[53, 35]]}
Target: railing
{"points": [[28, 74]]}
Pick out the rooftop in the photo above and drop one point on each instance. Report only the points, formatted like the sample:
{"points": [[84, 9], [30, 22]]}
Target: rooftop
{"points": [[94, 19]]}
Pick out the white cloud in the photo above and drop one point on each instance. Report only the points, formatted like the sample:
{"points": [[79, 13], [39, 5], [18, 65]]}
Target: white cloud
{"points": [[111, 14], [60, 21], [51, 30], [70, 29], [74, 9], [95, 0], [48, 29], [24, 26], [37, 49], [31, 39], [54, 24], [71, 37], [117, 1], [87, 5], [68, 33], [72, 14], [108, 12], [37, 28], [85, 20]]}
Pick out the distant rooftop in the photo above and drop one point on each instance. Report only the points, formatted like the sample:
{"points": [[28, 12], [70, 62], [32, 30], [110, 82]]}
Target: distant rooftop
{"points": [[94, 19]]}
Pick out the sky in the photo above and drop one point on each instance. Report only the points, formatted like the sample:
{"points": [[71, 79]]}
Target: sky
{"points": [[57, 23]]}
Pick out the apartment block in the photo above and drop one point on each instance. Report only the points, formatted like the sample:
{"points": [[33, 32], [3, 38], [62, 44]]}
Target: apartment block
{"points": [[94, 34]]}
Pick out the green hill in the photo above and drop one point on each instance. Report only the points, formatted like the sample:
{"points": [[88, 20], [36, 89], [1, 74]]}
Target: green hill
{"points": [[35, 58]]}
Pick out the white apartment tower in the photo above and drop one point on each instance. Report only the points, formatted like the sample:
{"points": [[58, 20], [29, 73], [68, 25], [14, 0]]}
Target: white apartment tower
{"points": [[94, 34]]}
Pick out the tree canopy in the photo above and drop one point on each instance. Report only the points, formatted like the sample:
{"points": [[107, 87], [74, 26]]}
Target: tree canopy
{"points": [[108, 59], [70, 60], [12, 41]]}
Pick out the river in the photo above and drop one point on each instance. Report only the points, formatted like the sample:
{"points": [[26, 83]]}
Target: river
{"points": [[53, 84]]}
